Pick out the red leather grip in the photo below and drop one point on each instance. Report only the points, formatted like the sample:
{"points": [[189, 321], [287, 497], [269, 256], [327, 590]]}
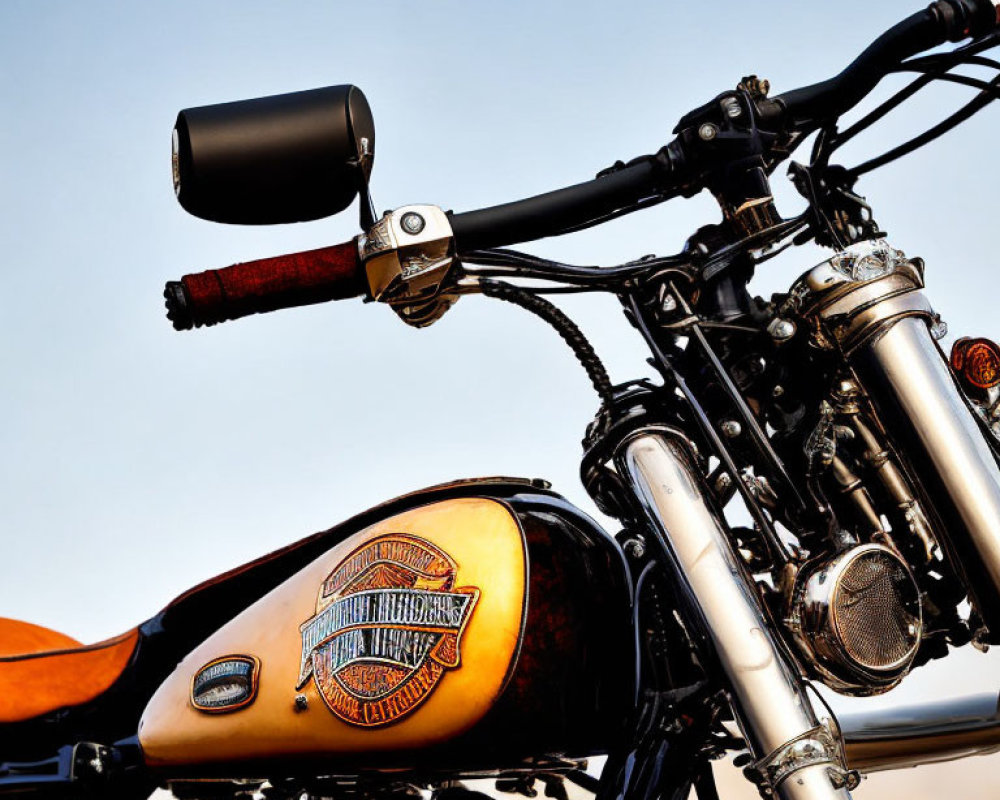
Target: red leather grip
{"points": [[297, 279]]}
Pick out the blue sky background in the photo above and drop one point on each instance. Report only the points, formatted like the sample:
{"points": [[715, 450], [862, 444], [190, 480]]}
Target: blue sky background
{"points": [[138, 461]]}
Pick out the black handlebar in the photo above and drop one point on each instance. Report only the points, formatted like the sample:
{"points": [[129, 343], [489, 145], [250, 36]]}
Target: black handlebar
{"points": [[555, 212], [943, 21], [666, 174], [691, 162]]}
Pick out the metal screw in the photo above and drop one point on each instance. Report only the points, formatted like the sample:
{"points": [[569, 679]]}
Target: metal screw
{"points": [[412, 223], [731, 428], [781, 330], [708, 132], [301, 702], [732, 107], [635, 547], [778, 391], [669, 304], [723, 483]]}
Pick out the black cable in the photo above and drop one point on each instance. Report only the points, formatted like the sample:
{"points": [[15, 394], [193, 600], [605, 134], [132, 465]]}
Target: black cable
{"points": [[566, 328], [935, 65], [880, 111], [964, 53], [981, 100], [511, 263], [965, 80], [930, 63]]}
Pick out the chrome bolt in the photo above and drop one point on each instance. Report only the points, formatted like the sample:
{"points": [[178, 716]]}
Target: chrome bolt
{"points": [[669, 304], [708, 131], [723, 483], [781, 330], [301, 702], [731, 428], [939, 328], [732, 107], [778, 391], [635, 547], [412, 223], [805, 749]]}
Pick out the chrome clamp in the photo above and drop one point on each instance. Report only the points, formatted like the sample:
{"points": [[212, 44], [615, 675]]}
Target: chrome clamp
{"points": [[408, 255], [821, 745]]}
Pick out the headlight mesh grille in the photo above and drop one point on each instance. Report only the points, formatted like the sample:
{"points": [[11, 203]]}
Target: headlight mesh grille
{"points": [[875, 610]]}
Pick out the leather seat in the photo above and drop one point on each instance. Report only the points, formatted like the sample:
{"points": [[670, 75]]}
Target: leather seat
{"points": [[42, 670]]}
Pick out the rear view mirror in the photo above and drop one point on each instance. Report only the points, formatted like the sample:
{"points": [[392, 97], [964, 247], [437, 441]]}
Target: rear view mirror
{"points": [[285, 158]]}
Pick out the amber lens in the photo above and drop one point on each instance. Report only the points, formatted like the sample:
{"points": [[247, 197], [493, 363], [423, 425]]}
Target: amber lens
{"points": [[977, 362]]}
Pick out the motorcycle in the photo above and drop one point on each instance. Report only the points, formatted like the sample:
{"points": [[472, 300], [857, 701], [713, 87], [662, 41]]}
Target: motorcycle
{"points": [[490, 628]]}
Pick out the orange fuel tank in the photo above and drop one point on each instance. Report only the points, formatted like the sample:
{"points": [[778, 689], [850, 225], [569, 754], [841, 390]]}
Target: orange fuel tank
{"points": [[469, 631]]}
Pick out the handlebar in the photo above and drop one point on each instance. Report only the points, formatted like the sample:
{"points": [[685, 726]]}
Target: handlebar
{"points": [[942, 21], [664, 176], [297, 279], [554, 212], [335, 273]]}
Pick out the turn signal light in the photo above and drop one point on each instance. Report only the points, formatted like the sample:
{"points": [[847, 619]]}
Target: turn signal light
{"points": [[976, 362]]}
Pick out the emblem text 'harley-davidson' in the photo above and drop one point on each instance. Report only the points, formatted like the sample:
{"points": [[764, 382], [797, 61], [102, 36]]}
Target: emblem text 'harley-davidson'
{"points": [[388, 624]]}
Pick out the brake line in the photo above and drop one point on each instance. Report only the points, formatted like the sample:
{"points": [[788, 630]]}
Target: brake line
{"points": [[566, 328]]}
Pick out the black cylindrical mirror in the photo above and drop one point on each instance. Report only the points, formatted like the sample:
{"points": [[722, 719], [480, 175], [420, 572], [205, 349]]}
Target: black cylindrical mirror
{"points": [[285, 158]]}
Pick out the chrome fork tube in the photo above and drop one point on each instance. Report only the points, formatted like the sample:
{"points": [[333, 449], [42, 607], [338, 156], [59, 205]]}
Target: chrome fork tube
{"points": [[796, 754], [867, 302], [916, 398]]}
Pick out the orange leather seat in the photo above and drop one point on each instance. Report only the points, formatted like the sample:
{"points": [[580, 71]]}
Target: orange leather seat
{"points": [[42, 670]]}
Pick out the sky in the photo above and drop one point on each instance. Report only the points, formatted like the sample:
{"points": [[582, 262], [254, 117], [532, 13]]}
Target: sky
{"points": [[137, 461]]}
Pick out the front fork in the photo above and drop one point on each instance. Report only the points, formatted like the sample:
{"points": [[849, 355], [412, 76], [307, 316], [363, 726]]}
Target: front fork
{"points": [[798, 756]]}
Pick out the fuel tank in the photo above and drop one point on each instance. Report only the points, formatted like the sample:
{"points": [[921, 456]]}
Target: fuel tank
{"points": [[461, 630]]}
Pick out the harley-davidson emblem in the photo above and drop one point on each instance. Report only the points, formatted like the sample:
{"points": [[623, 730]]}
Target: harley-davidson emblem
{"points": [[388, 624]]}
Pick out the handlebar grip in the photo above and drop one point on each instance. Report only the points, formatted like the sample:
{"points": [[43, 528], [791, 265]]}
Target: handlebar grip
{"points": [[255, 287]]}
